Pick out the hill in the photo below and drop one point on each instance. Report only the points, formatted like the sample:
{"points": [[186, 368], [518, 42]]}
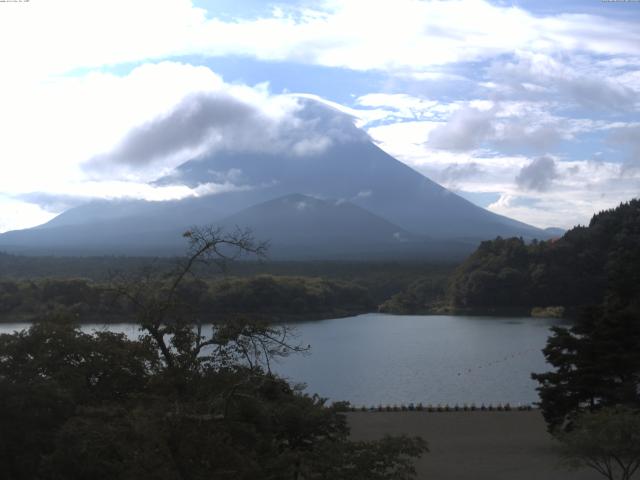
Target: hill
{"points": [[302, 227]]}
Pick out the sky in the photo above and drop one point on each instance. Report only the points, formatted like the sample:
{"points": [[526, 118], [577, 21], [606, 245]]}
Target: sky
{"points": [[527, 108]]}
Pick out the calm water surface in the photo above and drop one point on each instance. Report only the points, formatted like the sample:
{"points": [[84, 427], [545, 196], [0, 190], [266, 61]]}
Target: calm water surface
{"points": [[385, 359]]}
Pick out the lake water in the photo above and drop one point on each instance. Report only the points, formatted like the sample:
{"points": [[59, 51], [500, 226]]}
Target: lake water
{"points": [[387, 359]]}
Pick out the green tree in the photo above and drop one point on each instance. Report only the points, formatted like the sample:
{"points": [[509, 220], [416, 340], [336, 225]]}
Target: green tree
{"points": [[574, 271], [597, 363], [177, 403], [607, 441]]}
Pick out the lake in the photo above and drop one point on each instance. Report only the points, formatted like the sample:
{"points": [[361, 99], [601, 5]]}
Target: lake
{"points": [[385, 359]]}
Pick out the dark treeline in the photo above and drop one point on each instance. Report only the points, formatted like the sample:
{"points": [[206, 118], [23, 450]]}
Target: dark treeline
{"points": [[35, 286], [512, 276], [382, 275], [572, 271], [20, 267], [264, 297], [423, 296]]}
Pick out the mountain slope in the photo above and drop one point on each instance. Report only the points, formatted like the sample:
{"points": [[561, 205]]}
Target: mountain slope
{"points": [[350, 169], [365, 175], [299, 226]]}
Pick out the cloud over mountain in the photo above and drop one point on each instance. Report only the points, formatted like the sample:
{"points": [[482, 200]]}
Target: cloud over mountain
{"points": [[206, 122]]}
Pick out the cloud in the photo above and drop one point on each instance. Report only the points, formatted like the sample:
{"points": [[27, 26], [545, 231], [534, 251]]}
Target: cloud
{"points": [[60, 198], [521, 126], [458, 171], [400, 105], [205, 122], [465, 126], [200, 118], [520, 133], [76, 118], [16, 214], [53, 203], [538, 175], [628, 137], [467, 129], [418, 34], [538, 76]]}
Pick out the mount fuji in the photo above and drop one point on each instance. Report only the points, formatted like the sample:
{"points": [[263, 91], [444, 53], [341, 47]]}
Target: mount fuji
{"points": [[344, 199]]}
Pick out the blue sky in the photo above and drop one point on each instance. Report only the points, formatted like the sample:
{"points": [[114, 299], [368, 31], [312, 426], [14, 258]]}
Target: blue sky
{"points": [[527, 108]]}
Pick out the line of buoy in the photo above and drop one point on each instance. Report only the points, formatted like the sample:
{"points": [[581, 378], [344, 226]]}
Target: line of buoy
{"points": [[500, 407], [495, 362]]}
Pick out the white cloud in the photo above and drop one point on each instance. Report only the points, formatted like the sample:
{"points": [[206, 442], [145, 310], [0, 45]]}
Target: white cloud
{"points": [[628, 137], [467, 129], [568, 78], [45, 38], [400, 105], [556, 210], [16, 214], [141, 125], [580, 189], [51, 127], [516, 125]]}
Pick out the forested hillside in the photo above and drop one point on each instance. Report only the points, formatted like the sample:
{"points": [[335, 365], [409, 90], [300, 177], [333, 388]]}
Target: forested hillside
{"points": [[574, 270]]}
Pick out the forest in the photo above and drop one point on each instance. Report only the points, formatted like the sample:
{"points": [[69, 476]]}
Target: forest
{"points": [[265, 297], [31, 287], [509, 275]]}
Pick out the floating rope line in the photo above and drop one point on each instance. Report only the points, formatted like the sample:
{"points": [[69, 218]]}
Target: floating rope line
{"points": [[504, 359]]}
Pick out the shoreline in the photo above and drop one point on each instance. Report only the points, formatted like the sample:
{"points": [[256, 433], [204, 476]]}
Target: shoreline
{"points": [[287, 318]]}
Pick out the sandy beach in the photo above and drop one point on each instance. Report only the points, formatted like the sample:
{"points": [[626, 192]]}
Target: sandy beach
{"points": [[474, 445]]}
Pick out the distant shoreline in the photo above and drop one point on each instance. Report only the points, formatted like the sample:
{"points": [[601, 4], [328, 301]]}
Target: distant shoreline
{"points": [[296, 318]]}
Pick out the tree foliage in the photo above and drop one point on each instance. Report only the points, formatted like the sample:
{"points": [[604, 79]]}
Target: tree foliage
{"points": [[425, 295], [176, 403], [597, 359], [596, 364], [268, 297], [572, 271], [607, 441]]}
